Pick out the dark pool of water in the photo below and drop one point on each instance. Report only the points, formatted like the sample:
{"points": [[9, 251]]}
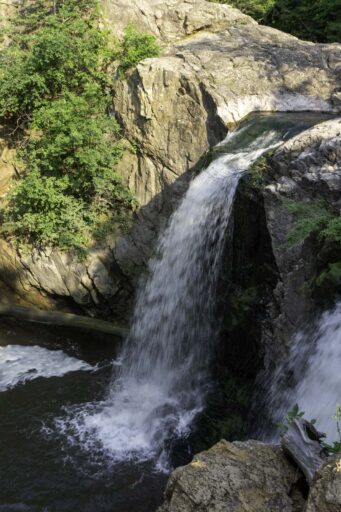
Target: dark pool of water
{"points": [[40, 471]]}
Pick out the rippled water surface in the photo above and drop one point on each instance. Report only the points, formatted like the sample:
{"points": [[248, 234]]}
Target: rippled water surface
{"points": [[39, 469]]}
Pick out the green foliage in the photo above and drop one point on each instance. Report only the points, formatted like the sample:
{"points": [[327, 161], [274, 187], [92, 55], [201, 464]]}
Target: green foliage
{"points": [[41, 212], [317, 20], [259, 169], [329, 279], [136, 47], [78, 141], [313, 218], [258, 9], [335, 447], [291, 415], [55, 93], [64, 52], [295, 414]]}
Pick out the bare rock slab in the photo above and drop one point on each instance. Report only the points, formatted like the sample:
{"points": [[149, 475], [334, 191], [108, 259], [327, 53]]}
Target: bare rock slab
{"points": [[325, 493], [234, 477]]}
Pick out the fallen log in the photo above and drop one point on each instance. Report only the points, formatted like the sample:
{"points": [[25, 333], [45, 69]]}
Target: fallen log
{"points": [[61, 319], [302, 442]]}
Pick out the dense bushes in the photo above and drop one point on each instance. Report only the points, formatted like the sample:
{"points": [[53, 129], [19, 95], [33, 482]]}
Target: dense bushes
{"points": [[258, 9], [313, 218], [56, 84], [315, 221], [316, 20], [136, 46]]}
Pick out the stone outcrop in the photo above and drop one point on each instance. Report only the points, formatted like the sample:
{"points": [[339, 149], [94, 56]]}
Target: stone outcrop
{"points": [[235, 477], [251, 477], [307, 168], [171, 20], [53, 279], [325, 493], [178, 105], [217, 65]]}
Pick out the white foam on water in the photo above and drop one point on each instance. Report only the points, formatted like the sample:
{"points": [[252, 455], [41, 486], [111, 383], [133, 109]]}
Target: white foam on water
{"points": [[19, 364]]}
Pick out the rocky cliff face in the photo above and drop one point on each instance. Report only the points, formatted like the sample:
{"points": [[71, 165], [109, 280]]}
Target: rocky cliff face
{"points": [[307, 169], [171, 20], [217, 66], [175, 107]]}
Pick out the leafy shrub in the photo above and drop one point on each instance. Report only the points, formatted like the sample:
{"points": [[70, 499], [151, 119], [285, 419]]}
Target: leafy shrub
{"points": [[77, 139], [292, 415], [258, 9], [313, 218], [55, 93], [295, 413], [136, 47], [40, 211], [63, 52]]}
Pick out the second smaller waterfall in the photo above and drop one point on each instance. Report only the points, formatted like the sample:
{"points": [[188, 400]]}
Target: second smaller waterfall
{"points": [[312, 377]]}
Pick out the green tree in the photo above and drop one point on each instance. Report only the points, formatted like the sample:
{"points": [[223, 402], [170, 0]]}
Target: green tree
{"points": [[313, 218], [56, 84], [258, 9], [314, 20]]}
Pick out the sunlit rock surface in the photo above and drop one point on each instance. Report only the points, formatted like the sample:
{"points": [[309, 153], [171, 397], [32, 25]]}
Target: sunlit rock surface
{"points": [[235, 477], [325, 494]]}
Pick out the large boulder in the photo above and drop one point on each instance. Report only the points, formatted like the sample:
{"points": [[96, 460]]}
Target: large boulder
{"points": [[235, 477], [53, 279], [173, 108], [171, 20], [325, 493], [251, 477]]}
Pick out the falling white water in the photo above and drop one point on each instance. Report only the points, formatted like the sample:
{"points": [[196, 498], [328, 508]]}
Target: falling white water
{"points": [[162, 379], [160, 382], [19, 364], [314, 370]]}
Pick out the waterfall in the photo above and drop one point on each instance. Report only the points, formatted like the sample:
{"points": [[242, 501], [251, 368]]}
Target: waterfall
{"points": [[161, 378], [311, 377]]}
